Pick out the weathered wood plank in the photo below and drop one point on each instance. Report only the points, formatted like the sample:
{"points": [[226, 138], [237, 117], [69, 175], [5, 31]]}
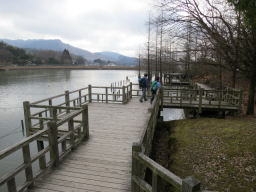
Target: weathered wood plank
{"points": [[103, 162]]}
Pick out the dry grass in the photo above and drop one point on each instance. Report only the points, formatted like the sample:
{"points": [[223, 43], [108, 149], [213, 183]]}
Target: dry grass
{"points": [[221, 153]]}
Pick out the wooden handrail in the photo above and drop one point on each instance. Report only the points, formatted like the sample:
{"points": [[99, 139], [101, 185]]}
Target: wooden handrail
{"points": [[81, 131], [141, 160]]}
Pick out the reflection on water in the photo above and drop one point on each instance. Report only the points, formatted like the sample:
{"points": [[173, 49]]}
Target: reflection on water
{"points": [[172, 114]]}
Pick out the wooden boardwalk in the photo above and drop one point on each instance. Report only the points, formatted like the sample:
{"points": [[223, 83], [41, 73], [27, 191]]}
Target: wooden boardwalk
{"points": [[103, 163]]}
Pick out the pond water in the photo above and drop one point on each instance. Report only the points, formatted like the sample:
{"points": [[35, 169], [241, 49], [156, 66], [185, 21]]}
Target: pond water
{"points": [[32, 85], [173, 114]]}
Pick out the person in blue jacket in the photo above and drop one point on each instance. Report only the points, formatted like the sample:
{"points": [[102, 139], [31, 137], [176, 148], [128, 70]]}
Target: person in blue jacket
{"points": [[144, 86], [155, 86]]}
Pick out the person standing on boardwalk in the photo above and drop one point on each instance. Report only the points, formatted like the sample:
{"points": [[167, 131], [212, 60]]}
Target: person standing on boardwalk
{"points": [[144, 86], [155, 86]]}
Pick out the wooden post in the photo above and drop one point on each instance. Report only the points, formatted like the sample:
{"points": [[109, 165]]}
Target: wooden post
{"points": [[127, 94], [90, 93], [80, 98], [64, 146], [106, 95], [53, 143], [11, 185], [240, 101], [200, 101], [190, 184], [42, 160], [27, 114], [50, 104], [130, 89], [181, 97], [154, 182], [85, 122], [27, 161], [123, 94], [67, 100], [41, 122], [161, 92], [72, 135], [219, 97], [136, 148], [54, 114]]}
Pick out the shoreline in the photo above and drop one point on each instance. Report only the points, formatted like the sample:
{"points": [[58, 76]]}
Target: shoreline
{"points": [[7, 68]]}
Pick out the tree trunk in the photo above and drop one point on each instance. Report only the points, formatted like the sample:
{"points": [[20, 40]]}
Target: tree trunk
{"points": [[250, 107]]}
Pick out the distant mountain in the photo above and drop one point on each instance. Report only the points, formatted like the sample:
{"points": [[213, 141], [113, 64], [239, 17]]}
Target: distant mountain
{"points": [[118, 58], [58, 45]]}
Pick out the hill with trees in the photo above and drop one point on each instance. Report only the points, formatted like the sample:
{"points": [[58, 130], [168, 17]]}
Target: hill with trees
{"points": [[58, 46], [14, 55]]}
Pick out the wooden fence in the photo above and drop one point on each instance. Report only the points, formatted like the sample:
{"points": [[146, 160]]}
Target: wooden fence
{"points": [[77, 132], [201, 98], [38, 113]]}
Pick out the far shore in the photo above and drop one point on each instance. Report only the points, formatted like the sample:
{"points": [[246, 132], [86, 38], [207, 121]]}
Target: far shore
{"points": [[7, 68]]}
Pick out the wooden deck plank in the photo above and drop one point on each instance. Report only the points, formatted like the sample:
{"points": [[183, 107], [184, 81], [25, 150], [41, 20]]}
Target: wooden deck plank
{"points": [[103, 163]]}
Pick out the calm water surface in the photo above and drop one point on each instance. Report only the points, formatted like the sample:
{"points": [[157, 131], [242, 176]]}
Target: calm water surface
{"points": [[33, 85]]}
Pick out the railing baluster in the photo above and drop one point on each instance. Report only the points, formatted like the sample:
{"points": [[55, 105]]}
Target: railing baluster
{"points": [[123, 94], [64, 146], [106, 95], [41, 121], [11, 185], [130, 89], [154, 182], [67, 100], [72, 135], [50, 104], [53, 142], [42, 160], [27, 114], [200, 101], [90, 93], [80, 98], [27, 161]]}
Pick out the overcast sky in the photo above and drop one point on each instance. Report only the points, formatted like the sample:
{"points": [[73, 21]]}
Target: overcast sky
{"points": [[94, 25]]}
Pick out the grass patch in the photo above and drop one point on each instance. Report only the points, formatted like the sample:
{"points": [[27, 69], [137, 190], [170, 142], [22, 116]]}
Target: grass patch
{"points": [[221, 153]]}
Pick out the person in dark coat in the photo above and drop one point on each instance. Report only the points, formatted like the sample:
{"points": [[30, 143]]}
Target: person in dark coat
{"points": [[144, 86]]}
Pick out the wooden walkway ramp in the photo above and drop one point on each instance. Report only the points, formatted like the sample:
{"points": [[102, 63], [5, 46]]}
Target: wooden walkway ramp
{"points": [[102, 163]]}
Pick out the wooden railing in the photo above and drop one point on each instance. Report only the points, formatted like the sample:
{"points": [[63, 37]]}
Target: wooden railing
{"points": [[77, 132], [199, 98], [38, 114], [142, 162]]}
